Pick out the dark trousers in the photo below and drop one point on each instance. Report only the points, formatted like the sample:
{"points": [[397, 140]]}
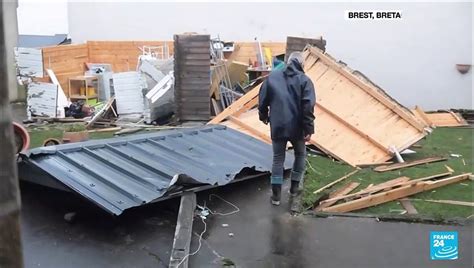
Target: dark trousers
{"points": [[279, 149]]}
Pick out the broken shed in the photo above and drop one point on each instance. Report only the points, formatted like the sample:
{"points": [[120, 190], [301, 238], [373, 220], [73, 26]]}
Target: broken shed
{"points": [[356, 121]]}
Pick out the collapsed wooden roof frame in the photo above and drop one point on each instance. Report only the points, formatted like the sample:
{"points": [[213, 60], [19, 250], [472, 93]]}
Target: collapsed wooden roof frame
{"points": [[313, 55]]}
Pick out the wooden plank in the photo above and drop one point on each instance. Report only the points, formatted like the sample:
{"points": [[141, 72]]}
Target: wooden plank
{"points": [[193, 75], [183, 232], [251, 129], [408, 206], [236, 105], [249, 105], [449, 202], [422, 115], [216, 106], [387, 187], [389, 183], [394, 194], [201, 100], [336, 181], [186, 38], [409, 164], [205, 57], [354, 128], [344, 190], [446, 119]]}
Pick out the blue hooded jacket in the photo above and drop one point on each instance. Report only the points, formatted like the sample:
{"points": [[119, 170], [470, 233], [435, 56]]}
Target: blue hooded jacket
{"points": [[286, 101]]}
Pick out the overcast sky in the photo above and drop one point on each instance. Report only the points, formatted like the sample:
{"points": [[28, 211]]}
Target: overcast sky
{"points": [[40, 18]]}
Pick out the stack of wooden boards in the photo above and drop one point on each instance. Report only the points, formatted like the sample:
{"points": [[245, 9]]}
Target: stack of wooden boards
{"points": [[356, 122], [192, 77], [341, 200], [440, 119]]}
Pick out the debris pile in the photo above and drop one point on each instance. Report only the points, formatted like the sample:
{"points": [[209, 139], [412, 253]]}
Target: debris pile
{"points": [[381, 193], [445, 118], [196, 78], [357, 122]]}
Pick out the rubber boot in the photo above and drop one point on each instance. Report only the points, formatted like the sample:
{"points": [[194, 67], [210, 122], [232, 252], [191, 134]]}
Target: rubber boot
{"points": [[294, 188], [276, 194]]}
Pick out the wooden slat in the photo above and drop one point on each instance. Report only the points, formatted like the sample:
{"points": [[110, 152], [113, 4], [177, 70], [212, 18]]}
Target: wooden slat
{"points": [[447, 119], [236, 105], [354, 128], [336, 181], [409, 164], [384, 188], [250, 129], [389, 183], [344, 190], [391, 195], [448, 202], [422, 116]]}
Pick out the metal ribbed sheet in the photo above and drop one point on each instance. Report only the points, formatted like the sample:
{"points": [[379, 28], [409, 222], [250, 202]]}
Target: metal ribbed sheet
{"points": [[121, 173]]}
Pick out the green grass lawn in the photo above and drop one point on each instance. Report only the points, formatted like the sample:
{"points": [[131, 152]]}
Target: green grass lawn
{"points": [[39, 134], [442, 142]]}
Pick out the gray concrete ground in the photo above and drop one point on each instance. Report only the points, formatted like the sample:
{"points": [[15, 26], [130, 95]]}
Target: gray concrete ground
{"points": [[264, 236]]}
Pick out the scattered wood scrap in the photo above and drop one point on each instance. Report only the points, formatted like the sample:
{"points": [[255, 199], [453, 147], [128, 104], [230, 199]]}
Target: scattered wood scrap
{"points": [[440, 119], [349, 187], [402, 181], [449, 168], [107, 129], [408, 206], [99, 114], [449, 202], [389, 183], [409, 164], [336, 181], [407, 189], [351, 112]]}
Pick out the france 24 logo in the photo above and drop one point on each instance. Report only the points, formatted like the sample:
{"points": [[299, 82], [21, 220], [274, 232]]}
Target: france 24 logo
{"points": [[444, 245]]}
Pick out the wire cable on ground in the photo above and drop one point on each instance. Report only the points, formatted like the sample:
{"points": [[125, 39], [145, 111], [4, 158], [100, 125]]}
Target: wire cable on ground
{"points": [[205, 211], [236, 209]]}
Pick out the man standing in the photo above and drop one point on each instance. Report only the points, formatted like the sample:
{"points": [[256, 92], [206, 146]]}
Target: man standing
{"points": [[286, 101]]}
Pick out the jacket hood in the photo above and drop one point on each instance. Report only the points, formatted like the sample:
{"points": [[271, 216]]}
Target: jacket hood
{"points": [[293, 68]]}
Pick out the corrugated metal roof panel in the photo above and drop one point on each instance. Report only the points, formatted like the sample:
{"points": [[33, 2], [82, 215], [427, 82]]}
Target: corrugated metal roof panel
{"points": [[120, 173]]}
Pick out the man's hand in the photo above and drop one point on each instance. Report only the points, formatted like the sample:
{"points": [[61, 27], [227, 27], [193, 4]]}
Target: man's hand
{"points": [[307, 138]]}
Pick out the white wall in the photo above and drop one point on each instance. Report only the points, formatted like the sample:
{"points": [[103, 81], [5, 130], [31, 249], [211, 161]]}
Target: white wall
{"points": [[413, 59], [42, 17]]}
